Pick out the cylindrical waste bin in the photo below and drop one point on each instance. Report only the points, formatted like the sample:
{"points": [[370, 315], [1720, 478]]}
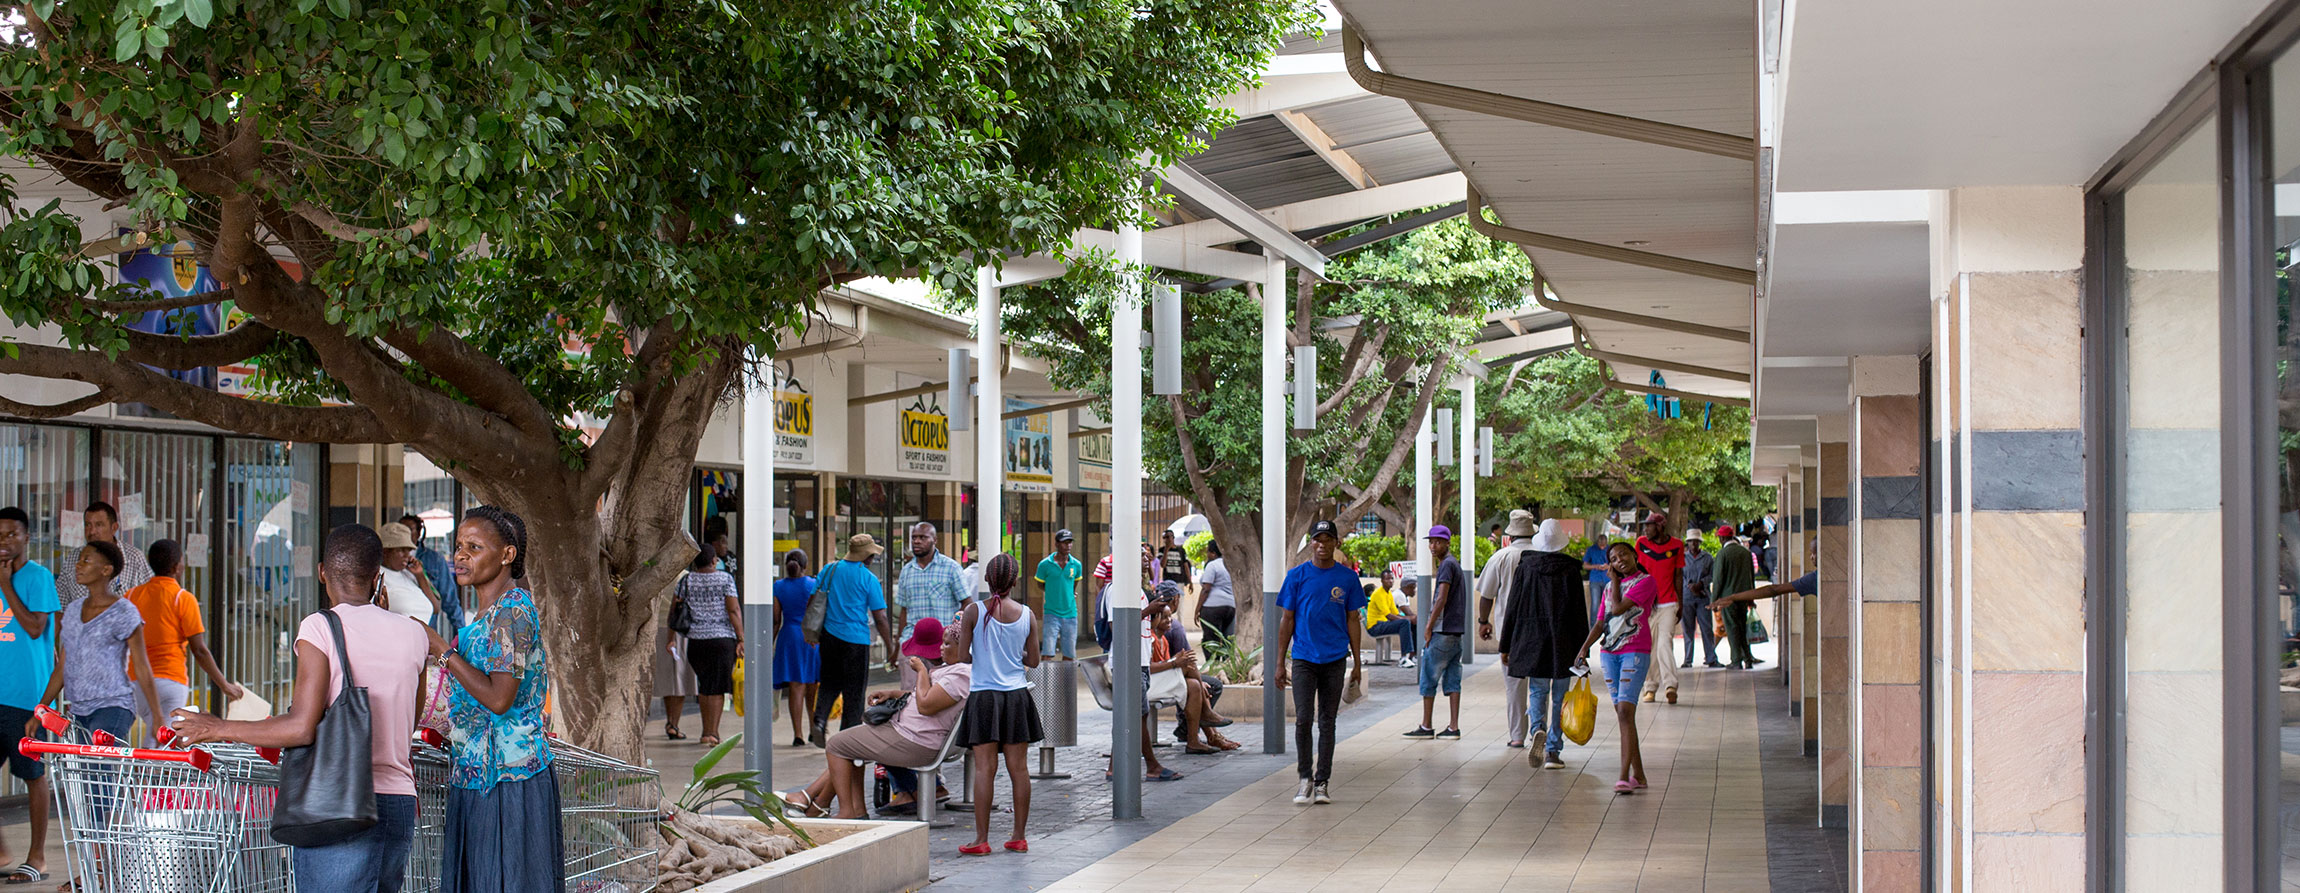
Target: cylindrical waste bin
{"points": [[1054, 688]]}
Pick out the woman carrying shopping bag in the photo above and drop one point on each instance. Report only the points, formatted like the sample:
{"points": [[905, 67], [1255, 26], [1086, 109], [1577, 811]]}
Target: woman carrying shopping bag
{"points": [[379, 664]]}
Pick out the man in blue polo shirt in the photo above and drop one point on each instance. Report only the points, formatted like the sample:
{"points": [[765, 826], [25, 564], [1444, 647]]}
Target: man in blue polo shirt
{"points": [[853, 603], [28, 609], [1322, 613]]}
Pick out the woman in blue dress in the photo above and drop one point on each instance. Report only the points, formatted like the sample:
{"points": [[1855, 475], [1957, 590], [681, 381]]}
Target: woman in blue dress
{"points": [[797, 664], [503, 833]]}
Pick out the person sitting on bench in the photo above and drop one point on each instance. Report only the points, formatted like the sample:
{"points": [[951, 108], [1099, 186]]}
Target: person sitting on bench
{"points": [[914, 737]]}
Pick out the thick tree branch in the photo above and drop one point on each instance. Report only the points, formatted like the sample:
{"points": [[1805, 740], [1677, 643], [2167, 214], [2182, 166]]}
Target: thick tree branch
{"points": [[243, 342], [133, 382], [199, 300], [330, 224], [56, 410]]}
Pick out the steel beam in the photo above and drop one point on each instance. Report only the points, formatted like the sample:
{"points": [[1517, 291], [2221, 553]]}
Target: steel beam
{"points": [[1243, 217], [1602, 251]]}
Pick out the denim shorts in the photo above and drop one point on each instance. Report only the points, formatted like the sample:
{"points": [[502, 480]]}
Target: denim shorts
{"points": [[1626, 673], [1441, 666], [1060, 636]]}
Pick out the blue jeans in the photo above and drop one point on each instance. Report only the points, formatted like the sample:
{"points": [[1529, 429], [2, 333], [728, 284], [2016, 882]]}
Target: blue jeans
{"points": [[372, 861], [1545, 710], [1624, 674], [1441, 665], [1401, 627], [1059, 633], [116, 720]]}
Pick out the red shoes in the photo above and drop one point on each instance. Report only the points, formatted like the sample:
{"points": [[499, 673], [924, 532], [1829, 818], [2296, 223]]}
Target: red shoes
{"points": [[983, 849], [1018, 846]]}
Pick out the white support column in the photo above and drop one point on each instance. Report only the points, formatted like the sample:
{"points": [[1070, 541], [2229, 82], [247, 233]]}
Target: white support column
{"points": [[989, 413], [1126, 529], [1274, 421], [759, 564], [1425, 515], [1465, 537]]}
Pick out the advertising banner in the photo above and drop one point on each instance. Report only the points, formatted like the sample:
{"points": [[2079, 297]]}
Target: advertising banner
{"points": [[1029, 450], [794, 421], [1093, 462], [922, 442]]}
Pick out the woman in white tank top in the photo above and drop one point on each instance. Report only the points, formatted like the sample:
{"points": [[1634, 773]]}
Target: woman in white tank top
{"points": [[999, 636]]}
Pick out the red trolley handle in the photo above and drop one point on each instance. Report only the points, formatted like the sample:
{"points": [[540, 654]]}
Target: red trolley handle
{"points": [[197, 759], [434, 739], [56, 723]]}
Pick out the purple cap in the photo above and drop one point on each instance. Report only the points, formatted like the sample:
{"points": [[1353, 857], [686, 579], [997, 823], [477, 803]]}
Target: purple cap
{"points": [[1440, 532]]}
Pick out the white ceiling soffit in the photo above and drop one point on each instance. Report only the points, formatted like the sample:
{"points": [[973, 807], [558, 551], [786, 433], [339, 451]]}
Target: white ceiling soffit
{"points": [[1888, 94], [1692, 65]]}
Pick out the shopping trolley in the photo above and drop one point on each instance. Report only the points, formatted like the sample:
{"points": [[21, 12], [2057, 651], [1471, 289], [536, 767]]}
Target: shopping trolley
{"points": [[165, 821], [609, 812]]}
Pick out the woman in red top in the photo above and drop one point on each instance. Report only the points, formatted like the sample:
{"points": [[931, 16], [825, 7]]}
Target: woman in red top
{"points": [[1663, 558]]}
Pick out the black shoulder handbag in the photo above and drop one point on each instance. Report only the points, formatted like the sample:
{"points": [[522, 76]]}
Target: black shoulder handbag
{"points": [[883, 712], [682, 615], [327, 787]]}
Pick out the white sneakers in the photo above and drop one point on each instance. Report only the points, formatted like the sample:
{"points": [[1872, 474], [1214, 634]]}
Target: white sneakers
{"points": [[1311, 792], [1318, 794], [1302, 794]]}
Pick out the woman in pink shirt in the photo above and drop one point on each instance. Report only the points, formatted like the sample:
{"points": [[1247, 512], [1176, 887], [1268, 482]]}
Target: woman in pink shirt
{"points": [[914, 737], [387, 654], [1624, 636]]}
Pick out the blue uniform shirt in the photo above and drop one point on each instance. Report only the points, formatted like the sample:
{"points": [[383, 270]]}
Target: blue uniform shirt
{"points": [[854, 592], [1321, 600], [26, 662]]}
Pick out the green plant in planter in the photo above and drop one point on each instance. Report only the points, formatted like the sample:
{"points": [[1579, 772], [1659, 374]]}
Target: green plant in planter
{"points": [[741, 788], [1234, 664]]}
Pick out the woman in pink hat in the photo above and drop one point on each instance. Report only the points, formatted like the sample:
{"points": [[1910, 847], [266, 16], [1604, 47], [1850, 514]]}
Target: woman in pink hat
{"points": [[914, 737]]}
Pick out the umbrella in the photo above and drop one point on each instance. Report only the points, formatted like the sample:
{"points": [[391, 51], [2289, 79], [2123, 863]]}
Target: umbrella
{"points": [[1189, 526]]}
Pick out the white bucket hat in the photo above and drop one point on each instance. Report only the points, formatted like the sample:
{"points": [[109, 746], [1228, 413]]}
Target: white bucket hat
{"points": [[1550, 538]]}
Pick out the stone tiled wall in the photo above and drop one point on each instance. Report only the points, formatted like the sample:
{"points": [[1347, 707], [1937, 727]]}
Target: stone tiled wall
{"points": [[2007, 261], [1887, 530], [1834, 666]]}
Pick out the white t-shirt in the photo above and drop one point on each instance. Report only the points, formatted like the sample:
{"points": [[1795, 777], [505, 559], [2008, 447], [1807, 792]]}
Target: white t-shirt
{"points": [[404, 596]]}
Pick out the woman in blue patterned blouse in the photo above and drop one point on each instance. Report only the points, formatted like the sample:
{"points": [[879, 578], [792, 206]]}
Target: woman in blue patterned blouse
{"points": [[503, 831]]}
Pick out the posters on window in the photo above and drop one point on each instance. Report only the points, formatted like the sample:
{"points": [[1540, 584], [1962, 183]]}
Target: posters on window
{"points": [[1093, 462], [1029, 450]]}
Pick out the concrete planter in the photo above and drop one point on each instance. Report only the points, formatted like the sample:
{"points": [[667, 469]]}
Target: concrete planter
{"points": [[1245, 702], [859, 857]]}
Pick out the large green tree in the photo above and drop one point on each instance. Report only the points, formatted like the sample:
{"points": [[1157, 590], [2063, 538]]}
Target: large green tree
{"points": [[1566, 442], [1391, 323], [471, 188]]}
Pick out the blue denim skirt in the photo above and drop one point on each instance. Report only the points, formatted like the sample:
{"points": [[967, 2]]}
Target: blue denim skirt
{"points": [[505, 840]]}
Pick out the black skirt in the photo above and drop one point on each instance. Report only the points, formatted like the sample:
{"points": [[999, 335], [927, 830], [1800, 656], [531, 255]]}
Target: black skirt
{"points": [[1000, 717]]}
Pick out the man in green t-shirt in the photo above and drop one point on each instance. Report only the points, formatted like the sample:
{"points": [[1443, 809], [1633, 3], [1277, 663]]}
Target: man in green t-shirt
{"points": [[1058, 578]]}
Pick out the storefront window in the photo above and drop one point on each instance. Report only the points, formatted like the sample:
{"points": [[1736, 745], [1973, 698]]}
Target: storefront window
{"points": [[883, 509], [2169, 444], [429, 492], [160, 485], [44, 471], [2284, 172], [267, 584]]}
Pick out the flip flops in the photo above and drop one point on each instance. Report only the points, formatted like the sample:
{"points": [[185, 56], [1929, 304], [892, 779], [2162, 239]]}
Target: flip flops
{"points": [[24, 873], [1164, 775]]}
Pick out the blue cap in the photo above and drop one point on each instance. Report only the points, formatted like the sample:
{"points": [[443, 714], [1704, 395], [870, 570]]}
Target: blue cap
{"points": [[1440, 532]]}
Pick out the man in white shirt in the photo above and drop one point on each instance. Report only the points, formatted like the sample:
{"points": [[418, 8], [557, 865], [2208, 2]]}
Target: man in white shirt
{"points": [[1492, 595], [101, 524]]}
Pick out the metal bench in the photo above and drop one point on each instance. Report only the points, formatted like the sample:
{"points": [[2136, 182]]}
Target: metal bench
{"points": [[930, 775], [1098, 681]]}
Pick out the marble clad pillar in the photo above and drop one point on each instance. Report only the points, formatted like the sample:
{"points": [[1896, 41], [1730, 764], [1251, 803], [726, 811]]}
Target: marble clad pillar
{"points": [[1888, 716], [1834, 663], [1809, 608], [2007, 265]]}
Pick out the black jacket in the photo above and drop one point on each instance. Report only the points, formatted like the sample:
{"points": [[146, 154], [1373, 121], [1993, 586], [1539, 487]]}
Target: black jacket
{"points": [[1547, 616]]}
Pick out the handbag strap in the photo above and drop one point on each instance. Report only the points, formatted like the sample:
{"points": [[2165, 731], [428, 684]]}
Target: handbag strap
{"points": [[342, 653]]}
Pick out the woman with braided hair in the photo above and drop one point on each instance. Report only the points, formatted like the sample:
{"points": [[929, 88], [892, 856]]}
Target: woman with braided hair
{"points": [[999, 636], [502, 799]]}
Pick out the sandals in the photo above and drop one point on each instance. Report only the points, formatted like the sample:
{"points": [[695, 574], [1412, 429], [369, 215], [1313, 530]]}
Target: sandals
{"points": [[806, 804], [709, 741], [1623, 787], [1201, 751], [974, 849], [672, 732], [24, 873], [1164, 775]]}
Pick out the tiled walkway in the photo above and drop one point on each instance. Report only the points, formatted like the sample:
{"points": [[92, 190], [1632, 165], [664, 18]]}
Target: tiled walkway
{"points": [[1470, 815]]}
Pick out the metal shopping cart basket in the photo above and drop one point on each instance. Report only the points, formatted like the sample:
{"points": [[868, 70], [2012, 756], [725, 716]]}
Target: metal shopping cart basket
{"points": [[608, 813], [167, 821]]}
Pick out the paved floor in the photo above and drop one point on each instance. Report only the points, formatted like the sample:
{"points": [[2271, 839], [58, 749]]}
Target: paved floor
{"points": [[1422, 815]]}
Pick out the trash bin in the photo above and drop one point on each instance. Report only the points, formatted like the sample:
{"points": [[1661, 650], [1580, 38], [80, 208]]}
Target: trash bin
{"points": [[1054, 689]]}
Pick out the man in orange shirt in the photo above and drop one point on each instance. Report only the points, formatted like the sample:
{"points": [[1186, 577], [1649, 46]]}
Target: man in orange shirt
{"points": [[172, 627]]}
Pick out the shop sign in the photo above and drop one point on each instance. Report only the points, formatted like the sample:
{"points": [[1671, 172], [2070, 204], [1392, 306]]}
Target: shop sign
{"points": [[1029, 450], [922, 444], [794, 421], [1093, 462]]}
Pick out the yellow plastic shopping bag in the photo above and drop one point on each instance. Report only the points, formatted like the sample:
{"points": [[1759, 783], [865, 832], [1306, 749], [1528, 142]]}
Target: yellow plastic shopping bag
{"points": [[1580, 719], [738, 695]]}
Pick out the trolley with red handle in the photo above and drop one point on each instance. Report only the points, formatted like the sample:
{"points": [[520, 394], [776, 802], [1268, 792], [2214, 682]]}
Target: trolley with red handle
{"points": [[193, 820]]}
